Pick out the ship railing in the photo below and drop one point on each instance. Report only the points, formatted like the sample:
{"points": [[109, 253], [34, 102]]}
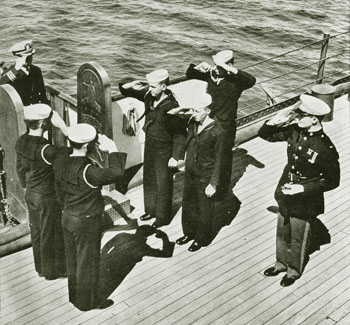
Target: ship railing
{"points": [[63, 102]]}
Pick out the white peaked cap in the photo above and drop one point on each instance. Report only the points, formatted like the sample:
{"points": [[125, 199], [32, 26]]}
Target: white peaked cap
{"points": [[36, 112], [23, 47], [223, 56], [157, 76], [313, 105], [81, 133]]}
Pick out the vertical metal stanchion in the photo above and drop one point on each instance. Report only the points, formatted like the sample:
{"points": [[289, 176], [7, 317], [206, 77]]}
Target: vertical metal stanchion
{"points": [[323, 56]]}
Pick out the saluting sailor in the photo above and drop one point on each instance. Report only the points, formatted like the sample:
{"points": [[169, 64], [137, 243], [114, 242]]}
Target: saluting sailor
{"points": [[24, 76], [312, 169], [164, 145], [79, 184], [34, 168]]}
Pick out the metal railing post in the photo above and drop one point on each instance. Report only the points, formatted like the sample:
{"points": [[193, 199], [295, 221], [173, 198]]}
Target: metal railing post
{"points": [[323, 55]]}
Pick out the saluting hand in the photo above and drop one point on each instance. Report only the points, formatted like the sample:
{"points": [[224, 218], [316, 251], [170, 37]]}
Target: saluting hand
{"points": [[291, 189], [203, 67], [172, 163], [210, 190], [106, 144], [281, 117]]}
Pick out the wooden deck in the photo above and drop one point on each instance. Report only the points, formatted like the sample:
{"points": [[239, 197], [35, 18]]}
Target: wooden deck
{"points": [[220, 284]]}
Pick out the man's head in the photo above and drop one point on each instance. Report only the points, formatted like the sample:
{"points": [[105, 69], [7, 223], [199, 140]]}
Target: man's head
{"points": [[81, 135], [37, 116], [201, 108], [158, 81], [221, 59], [23, 49], [310, 111]]}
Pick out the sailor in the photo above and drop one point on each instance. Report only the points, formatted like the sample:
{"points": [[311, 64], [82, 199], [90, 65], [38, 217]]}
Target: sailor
{"points": [[79, 184], [312, 169], [164, 145], [207, 150], [24, 76], [225, 85], [34, 168]]}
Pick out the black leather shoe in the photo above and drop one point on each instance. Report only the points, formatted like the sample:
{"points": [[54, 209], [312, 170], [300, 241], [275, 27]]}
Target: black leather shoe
{"points": [[285, 282], [183, 240], [194, 247], [106, 304], [271, 271], [146, 217]]}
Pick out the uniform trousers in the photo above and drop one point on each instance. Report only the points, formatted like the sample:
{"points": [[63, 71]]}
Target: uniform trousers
{"points": [[292, 245], [46, 234], [197, 210], [82, 238], [158, 181]]}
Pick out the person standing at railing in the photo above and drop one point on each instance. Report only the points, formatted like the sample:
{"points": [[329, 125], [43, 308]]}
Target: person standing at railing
{"points": [[312, 169], [164, 145], [225, 85], [24, 76], [34, 169], [78, 184]]}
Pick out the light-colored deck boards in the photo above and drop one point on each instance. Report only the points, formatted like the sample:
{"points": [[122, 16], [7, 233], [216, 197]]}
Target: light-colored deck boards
{"points": [[222, 283]]}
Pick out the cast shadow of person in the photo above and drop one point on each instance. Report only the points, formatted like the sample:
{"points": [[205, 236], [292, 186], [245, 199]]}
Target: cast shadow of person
{"points": [[123, 252], [240, 161]]}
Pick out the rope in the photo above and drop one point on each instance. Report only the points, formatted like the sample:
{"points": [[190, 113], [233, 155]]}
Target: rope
{"points": [[301, 68], [295, 50], [288, 92]]}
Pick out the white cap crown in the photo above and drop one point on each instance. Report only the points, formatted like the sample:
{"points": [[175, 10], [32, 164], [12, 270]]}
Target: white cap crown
{"points": [[81, 133], [157, 76], [36, 112]]}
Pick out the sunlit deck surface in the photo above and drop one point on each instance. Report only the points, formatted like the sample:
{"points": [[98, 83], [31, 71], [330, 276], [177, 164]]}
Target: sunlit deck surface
{"points": [[220, 284]]}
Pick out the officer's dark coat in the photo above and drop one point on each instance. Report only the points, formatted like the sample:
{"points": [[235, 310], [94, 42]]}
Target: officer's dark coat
{"points": [[31, 87], [165, 138], [78, 184], [313, 161], [206, 162], [34, 168]]}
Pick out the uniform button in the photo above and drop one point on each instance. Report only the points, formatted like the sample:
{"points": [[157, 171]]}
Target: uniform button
{"points": [[322, 135], [311, 134], [300, 147], [293, 167], [305, 138], [296, 157], [288, 144]]}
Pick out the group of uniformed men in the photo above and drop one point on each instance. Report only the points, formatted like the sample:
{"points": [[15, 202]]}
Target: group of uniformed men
{"points": [[63, 187]]}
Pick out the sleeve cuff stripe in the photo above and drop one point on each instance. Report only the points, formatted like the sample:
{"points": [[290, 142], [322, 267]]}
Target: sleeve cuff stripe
{"points": [[84, 176], [42, 155]]}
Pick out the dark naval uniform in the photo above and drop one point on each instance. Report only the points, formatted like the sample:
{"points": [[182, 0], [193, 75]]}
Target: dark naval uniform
{"points": [[34, 168], [79, 184], [205, 163], [29, 84], [224, 95], [165, 138], [313, 163]]}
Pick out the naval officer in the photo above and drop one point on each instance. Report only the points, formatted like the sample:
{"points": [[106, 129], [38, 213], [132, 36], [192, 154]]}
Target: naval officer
{"points": [[79, 184], [24, 76], [164, 145], [34, 168], [312, 169]]}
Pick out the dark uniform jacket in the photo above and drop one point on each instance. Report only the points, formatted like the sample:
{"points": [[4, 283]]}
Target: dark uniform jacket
{"points": [[78, 183], [225, 95], [31, 87], [34, 163], [207, 153], [160, 126], [312, 162]]}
